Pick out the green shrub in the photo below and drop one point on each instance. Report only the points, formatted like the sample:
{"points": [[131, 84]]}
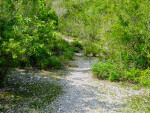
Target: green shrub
{"points": [[114, 72], [132, 75], [55, 62], [28, 37], [141, 77], [75, 49], [107, 70], [145, 77], [68, 54], [90, 48], [114, 76], [101, 70], [51, 62], [76, 44]]}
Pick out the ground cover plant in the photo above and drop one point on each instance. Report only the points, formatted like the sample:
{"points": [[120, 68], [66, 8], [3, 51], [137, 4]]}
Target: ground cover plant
{"points": [[138, 103]]}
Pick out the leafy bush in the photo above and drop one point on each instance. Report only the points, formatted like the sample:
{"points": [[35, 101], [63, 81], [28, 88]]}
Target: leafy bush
{"points": [[114, 76], [115, 72], [68, 54], [145, 77], [106, 70], [138, 76], [90, 48], [52, 62], [76, 45], [101, 70], [28, 37], [55, 62], [132, 74]]}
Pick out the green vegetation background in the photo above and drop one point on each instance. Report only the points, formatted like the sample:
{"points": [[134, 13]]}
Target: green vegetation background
{"points": [[118, 31]]}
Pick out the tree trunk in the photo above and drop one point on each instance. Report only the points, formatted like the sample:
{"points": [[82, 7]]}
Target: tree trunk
{"points": [[2, 77], [1, 80]]}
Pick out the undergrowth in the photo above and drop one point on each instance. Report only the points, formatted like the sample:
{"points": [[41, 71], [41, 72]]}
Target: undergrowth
{"points": [[117, 72], [138, 103]]}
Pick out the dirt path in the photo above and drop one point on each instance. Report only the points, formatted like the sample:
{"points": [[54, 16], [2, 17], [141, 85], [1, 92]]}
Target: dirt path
{"points": [[85, 94], [33, 91]]}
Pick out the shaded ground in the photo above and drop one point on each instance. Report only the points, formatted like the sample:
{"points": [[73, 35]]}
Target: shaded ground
{"points": [[29, 90]]}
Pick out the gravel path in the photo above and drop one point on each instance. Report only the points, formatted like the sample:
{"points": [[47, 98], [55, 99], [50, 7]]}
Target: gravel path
{"points": [[85, 94]]}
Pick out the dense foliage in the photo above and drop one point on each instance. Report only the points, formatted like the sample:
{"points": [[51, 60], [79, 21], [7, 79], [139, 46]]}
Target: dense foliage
{"points": [[118, 30], [77, 46], [28, 37]]}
